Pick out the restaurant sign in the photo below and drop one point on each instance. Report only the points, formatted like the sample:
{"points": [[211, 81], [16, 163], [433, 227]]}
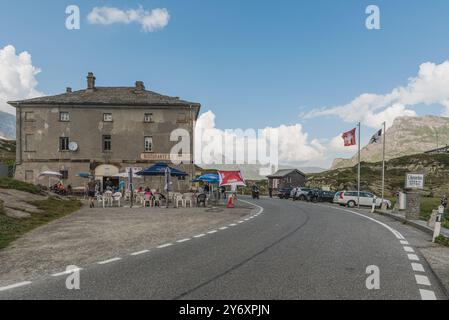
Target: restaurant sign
{"points": [[165, 157]]}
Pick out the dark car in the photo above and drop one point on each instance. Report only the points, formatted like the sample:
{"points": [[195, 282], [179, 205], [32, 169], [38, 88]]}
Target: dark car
{"points": [[284, 193], [326, 196]]}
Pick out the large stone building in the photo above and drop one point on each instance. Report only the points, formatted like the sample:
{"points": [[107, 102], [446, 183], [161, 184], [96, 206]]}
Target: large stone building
{"points": [[102, 131]]}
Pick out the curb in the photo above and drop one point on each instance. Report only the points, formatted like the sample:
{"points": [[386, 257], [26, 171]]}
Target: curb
{"points": [[421, 227]]}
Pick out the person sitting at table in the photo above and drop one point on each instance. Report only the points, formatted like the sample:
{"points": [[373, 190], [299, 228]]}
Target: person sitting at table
{"points": [[140, 190]]}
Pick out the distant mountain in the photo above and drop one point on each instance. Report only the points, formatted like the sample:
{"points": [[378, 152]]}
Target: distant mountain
{"points": [[407, 136], [7, 125]]}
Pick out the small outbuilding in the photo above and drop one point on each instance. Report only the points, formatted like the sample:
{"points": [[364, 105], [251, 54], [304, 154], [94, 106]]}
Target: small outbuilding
{"points": [[287, 178]]}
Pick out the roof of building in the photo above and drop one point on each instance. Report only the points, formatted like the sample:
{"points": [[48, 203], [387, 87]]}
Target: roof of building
{"points": [[112, 96], [107, 96], [285, 172]]}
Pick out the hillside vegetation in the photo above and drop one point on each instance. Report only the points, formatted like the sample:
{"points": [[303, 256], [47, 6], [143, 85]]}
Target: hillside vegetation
{"points": [[7, 151], [435, 167]]}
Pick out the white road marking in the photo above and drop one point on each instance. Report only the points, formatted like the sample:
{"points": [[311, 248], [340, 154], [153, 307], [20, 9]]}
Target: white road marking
{"points": [[241, 222], [417, 267], [183, 240], [409, 249], [213, 231], [140, 252], [404, 242], [247, 219], [66, 272], [261, 209], [396, 233], [232, 225], [16, 285], [413, 257], [165, 245], [200, 235], [109, 261], [422, 280], [427, 294], [223, 228]]}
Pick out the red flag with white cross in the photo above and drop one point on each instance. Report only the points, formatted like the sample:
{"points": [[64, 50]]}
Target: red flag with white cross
{"points": [[349, 138]]}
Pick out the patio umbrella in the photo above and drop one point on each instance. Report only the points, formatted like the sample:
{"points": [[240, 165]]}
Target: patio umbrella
{"points": [[211, 178], [159, 170], [126, 175], [84, 175], [49, 175]]}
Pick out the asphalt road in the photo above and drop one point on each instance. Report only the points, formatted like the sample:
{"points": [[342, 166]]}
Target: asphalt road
{"points": [[294, 250]]}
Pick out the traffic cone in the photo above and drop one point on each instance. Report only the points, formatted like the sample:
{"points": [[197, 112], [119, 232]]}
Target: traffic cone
{"points": [[231, 203]]}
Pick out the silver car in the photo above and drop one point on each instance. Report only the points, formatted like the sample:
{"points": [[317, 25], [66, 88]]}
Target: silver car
{"points": [[350, 199]]}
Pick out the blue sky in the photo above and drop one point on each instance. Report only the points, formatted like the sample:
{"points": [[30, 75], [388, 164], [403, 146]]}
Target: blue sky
{"points": [[253, 63]]}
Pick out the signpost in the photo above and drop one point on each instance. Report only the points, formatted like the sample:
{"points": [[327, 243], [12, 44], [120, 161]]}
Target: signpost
{"points": [[414, 182], [438, 221]]}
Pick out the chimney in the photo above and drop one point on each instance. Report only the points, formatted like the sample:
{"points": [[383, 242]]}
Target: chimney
{"points": [[68, 90], [90, 81], [140, 86]]}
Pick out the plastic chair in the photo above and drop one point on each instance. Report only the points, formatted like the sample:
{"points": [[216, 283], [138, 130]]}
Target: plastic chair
{"points": [[188, 198], [201, 200], [148, 198], [117, 198]]}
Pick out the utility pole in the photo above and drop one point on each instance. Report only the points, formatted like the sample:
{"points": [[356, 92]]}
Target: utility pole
{"points": [[358, 174], [384, 136]]}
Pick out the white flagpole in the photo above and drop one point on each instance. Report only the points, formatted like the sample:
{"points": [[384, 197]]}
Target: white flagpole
{"points": [[384, 136], [358, 174]]}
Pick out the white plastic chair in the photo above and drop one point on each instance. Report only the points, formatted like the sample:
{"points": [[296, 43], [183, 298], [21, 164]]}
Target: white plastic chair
{"points": [[107, 198], [188, 198], [116, 197], [147, 199], [178, 198]]}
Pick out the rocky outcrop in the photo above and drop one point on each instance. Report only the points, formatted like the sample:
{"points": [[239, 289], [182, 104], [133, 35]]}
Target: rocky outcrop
{"points": [[407, 136]]}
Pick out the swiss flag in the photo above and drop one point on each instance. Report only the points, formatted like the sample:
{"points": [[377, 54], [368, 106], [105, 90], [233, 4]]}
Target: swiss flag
{"points": [[349, 138]]}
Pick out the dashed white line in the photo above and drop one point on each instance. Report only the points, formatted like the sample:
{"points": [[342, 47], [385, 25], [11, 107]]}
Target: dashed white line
{"points": [[66, 272], [417, 267], [232, 225], [223, 228], [165, 246], [109, 261], [427, 294], [213, 231], [404, 242], [140, 252], [409, 249], [413, 257], [422, 280], [16, 285], [183, 240], [200, 235], [241, 222]]}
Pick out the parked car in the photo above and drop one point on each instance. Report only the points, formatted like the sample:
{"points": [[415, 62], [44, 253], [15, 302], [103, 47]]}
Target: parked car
{"points": [[350, 199], [284, 193], [300, 193], [326, 196]]}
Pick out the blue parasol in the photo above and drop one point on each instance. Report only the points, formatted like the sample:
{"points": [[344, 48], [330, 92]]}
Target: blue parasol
{"points": [[159, 170], [211, 178]]}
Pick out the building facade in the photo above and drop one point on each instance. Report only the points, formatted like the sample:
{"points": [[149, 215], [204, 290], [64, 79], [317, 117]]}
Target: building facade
{"points": [[288, 178], [101, 131]]}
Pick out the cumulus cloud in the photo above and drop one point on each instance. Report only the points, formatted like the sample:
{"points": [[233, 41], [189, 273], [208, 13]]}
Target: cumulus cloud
{"points": [[293, 146], [150, 21], [429, 87], [17, 77]]}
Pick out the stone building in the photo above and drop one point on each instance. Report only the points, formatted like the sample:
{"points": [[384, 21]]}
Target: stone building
{"points": [[288, 178], [102, 131]]}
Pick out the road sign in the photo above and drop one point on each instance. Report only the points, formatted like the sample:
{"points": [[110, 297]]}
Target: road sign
{"points": [[414, 181]]}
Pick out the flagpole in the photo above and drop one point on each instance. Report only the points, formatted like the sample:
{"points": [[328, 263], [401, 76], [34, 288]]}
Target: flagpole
{"points": [[383, 163], [358, 173]]}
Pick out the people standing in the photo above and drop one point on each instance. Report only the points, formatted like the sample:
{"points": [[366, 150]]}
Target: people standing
{"points": [[91, 192]]}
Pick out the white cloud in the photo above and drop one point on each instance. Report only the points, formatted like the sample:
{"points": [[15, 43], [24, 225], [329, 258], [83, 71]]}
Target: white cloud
{"points": [[17, 77], [429, 87], [293, 143], [150, 21]]}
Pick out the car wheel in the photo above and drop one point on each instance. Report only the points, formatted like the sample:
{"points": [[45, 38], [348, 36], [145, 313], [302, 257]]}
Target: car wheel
{"points": [[351, 204]]}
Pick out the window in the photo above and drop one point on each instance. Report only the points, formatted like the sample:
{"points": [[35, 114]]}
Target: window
{"points": [[148, 144], [107, 117], [64, 144], [148, 118], [107, 143], [29, 143], [29, 116], [65, 174], [29, 176], [64, 116]]}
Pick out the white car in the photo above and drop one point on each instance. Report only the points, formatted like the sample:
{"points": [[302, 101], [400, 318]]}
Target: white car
{"points": [[299, 193], [350, 199]]}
